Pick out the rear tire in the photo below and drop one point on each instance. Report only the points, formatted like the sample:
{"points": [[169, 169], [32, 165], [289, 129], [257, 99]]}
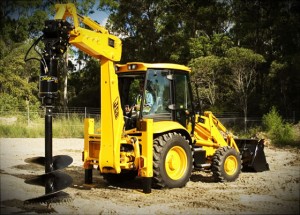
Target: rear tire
{"points": [[226, 164], [172, 161]]}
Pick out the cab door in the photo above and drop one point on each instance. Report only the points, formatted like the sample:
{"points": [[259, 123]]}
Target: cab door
{"points": [[182, 96]]}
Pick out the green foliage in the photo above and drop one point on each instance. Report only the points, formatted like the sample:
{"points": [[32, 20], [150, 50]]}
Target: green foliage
{"points": [[272, 120], [21, 131], [280, 132], [282, 83], [243, 64], [251, 132], [226, 80], [9, 102], [18, 80], [158, 31], [89, 97], [20, 21], [84, 86], [204, 45], [173, 31], [200, 46], [206, 72], [243, 58], [84, 7], [273, 33]]}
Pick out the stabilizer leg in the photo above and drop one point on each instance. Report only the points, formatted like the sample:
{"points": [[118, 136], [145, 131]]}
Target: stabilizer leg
{"points": [[147, 181]]}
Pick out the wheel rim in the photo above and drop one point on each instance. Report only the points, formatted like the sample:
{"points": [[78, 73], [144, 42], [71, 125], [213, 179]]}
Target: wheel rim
{"points": [[230, 165], [176, 162]]}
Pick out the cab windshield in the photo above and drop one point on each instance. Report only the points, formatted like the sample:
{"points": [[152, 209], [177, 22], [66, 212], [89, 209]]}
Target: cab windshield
{"points": [[159, 94], [146, 94]]}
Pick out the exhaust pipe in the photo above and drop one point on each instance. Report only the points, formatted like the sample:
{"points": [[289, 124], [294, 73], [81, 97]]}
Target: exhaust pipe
{"points": [[252, 155]]}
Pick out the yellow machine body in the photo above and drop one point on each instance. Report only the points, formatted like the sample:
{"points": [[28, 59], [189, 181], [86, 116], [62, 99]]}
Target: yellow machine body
{"points": [[208, 134], [103, 149], [173, 134]]}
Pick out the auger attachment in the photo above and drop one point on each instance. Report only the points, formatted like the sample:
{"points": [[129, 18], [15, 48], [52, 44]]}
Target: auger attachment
{"points": [[55, 39], [53, 180]]}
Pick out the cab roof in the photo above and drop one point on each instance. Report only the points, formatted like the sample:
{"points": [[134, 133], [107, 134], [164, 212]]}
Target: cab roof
{"points": [[139, 66]]}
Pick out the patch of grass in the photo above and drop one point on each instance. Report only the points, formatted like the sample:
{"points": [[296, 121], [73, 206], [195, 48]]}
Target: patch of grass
{"points": [[63, 127], [68, 127]]}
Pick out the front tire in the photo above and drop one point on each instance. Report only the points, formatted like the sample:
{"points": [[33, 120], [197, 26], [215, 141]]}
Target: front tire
{"points": [[172, 161], [226, 164]]}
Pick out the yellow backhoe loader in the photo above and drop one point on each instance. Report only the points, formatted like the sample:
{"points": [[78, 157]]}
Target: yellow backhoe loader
{"points": [[159, 137]]}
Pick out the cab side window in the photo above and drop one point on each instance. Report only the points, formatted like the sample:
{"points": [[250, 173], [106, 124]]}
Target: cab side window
{"points": [[182, 98], [182, 92]]}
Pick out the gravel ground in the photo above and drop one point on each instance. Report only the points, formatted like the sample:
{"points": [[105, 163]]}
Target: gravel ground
{"points": [[270, 192]]}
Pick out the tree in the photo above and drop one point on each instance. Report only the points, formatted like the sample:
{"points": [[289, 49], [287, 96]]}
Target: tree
{"points": [[204, 45], [85, 85], [20, 22], [180, 32], [159, 31], [243, 64], [275, 34], [18, 80], [206, 72]]}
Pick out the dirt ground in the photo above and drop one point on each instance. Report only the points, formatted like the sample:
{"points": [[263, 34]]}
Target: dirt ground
{"points": [[270, 192]]}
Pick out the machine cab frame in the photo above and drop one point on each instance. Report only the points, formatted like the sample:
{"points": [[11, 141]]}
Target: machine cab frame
{"points": [[170, 92]]}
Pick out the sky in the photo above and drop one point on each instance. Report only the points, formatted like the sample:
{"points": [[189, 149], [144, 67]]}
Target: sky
{"points": [[99, 16]]}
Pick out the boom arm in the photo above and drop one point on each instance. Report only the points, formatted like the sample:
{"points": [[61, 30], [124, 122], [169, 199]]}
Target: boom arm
{"points": [[97, 42]]}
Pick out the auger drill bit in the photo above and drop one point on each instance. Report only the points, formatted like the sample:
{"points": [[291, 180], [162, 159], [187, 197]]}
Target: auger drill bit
{"points": [[53, 180], [55, 39]]}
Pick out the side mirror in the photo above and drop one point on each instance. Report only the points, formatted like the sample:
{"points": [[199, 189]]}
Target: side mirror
{"points": [[198, 105], [200, 120]]}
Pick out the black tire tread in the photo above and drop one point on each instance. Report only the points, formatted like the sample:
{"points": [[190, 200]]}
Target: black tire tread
{"points": [[218, 164], [158, 146]]}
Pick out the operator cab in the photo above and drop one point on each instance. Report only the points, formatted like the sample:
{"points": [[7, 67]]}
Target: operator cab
{"points": [[161, 92]]}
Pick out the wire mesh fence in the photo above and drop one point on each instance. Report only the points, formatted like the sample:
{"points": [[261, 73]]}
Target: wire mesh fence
{"points": [[34, 116], [81, 112], [70, 118]]}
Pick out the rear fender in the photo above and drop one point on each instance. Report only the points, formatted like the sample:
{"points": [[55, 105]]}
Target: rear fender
{"points": [[170, 126]]}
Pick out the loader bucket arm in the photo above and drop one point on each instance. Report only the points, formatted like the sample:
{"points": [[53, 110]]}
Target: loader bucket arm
{"points": [[252, 150], [208, 136]]}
